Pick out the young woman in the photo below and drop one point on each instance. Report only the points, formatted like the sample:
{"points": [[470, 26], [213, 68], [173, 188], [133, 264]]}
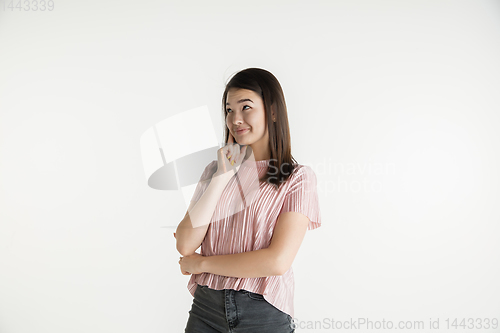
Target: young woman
{"points": [[242, 279]]}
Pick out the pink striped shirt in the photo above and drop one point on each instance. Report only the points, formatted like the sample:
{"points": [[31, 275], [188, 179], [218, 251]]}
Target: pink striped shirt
{"points": [[251, 229]]}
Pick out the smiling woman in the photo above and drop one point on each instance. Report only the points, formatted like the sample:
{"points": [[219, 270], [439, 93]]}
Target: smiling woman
{"points": [[254, 100], [243, 278], [247, 122]]}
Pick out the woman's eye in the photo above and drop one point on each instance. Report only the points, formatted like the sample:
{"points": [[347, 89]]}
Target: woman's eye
{"points": [[243, 108]]}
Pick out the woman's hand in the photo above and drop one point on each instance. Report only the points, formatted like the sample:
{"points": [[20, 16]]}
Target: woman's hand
{"points": [[230, 157], [182, 271], [191, 264]]}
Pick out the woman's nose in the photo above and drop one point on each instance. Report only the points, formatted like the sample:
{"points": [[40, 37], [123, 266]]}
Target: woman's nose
{"points": [[237, 119]]}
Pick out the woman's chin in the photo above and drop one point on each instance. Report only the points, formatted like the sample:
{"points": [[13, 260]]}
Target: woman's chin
{"points": [[245, 142], [242, 141]]}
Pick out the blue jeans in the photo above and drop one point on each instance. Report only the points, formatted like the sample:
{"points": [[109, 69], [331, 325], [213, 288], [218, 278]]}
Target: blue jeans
{"points": [[239, 311]]}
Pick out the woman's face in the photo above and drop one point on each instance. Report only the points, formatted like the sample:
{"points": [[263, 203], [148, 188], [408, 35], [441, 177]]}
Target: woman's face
{"points": [[245, 110]]}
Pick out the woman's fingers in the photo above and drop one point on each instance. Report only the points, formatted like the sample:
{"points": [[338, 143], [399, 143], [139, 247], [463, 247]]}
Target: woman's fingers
{"points": [[233, 149], [235, 154], [228, 156], [242, 154], [221, 160], [230, 151], [183, 272]]}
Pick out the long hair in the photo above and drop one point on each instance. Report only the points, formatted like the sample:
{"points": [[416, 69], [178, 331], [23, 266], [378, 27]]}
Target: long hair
{"points": [[265, 84]]}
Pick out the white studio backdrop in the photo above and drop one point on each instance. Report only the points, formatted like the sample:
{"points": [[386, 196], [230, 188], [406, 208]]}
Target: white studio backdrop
{"points": [[394, 104]]}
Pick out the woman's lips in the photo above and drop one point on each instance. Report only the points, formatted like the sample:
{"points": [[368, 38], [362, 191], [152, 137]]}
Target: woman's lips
{"points": [[243, 131]]}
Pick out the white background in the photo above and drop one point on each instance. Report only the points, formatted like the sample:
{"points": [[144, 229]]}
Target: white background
{"points": [[408, 88]]}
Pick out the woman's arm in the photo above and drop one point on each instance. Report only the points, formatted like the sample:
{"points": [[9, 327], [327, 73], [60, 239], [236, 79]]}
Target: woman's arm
{"points": [[251, 264], [192, 229], [287, 237]]}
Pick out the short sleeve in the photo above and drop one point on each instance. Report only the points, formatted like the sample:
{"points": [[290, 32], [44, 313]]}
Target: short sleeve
{"points": [[302, 196], [204, 181]]}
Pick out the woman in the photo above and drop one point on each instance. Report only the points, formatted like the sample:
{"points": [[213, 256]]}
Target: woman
{"points": [[243, 279]]}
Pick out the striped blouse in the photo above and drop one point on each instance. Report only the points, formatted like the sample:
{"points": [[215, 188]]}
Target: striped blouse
{"points": [[251, 228]]}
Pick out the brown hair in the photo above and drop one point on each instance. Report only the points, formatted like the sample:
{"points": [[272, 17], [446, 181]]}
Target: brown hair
{"points": [[269, 89]]}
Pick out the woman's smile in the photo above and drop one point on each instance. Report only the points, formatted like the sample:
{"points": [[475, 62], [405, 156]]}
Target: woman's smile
{"points": [[243, 131]]}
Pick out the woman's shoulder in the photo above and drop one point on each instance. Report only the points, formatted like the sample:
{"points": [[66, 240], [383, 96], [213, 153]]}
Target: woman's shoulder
{"points": [[301, 168], [302, 172]]}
